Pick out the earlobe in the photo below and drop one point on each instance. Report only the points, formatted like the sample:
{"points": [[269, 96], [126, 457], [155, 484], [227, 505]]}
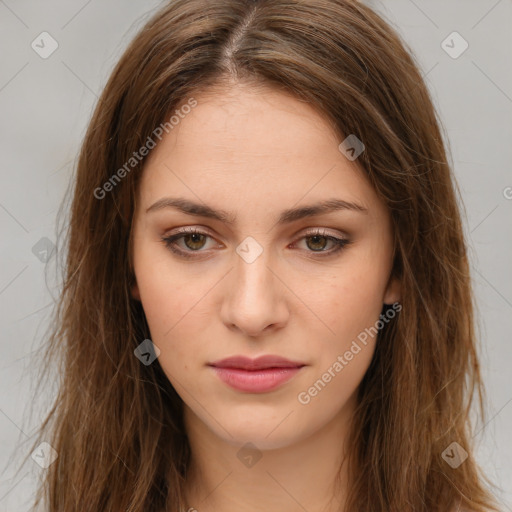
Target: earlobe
{"points": [[393, 291]]}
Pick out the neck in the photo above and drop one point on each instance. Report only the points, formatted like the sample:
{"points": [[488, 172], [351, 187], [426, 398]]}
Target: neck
{"points": [[309, 474]]}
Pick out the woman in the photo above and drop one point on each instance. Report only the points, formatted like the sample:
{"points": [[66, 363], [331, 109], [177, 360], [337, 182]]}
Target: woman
{"points": [[267, 302]]}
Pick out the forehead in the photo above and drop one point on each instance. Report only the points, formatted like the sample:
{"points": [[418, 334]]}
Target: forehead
{"points": [[244, 122], [255, 146]]}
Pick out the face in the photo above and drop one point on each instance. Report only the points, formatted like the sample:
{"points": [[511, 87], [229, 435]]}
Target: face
{"points": [[238, 276]]}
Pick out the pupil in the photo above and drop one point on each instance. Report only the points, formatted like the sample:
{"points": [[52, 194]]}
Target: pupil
{"points": [[195, 239], [316, 238]]}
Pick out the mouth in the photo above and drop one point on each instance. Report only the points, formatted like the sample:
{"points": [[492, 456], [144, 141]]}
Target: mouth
{"points": [[258, 375]]}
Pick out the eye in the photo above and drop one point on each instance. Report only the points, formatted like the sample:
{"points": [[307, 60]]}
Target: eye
{"points": [[318, 239], [194, 240]]}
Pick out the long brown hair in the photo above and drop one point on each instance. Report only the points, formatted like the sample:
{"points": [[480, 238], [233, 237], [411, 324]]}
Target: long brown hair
{"points": [[116, 424]]}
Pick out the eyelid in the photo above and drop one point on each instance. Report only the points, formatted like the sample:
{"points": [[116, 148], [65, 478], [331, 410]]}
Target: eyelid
{"points": [[322, 231], [201, 230]]}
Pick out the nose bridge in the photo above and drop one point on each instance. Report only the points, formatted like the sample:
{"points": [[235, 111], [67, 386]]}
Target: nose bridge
{"points": [[254, 281], [253, 300]]}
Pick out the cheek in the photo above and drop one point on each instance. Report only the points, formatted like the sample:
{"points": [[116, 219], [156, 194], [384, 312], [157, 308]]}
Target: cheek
{"points": [[166, 295], [164, 299], [169, 310], [350, 308], [349, 303], [334, 386]]}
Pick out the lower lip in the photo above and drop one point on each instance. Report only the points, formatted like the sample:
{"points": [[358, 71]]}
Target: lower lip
{"points": [[257, 381]]}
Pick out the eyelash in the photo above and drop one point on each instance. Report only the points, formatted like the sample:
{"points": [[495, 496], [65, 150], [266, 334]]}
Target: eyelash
{"points": [[170, 242]]}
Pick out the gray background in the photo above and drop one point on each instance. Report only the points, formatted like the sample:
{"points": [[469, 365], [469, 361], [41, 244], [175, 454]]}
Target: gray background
{"points": [[46, 104]]}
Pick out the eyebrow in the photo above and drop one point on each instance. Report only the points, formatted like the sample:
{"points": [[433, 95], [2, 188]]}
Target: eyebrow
{"points": [[287, 216]]}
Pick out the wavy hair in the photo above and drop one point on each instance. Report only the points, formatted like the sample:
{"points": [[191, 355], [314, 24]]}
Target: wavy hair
{"points": [[115, 423]]}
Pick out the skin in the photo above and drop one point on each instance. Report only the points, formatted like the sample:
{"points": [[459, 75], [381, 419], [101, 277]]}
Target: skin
{"points": [[254, 153]]}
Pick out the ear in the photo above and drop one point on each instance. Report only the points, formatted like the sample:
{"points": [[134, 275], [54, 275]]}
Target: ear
{"points": [[393, 291], [135, 291]]}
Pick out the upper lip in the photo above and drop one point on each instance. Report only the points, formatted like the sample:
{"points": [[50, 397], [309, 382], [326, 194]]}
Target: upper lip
{"points": [[262, 362]]}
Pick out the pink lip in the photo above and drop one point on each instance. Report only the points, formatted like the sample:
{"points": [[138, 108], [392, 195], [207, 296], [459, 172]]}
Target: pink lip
{"points": [[256, 375]]}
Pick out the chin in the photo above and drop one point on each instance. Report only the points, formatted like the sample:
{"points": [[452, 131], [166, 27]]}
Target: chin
{"points": [[265, 432]]}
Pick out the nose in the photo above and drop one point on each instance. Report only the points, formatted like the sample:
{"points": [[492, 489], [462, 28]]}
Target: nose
{"points": [[255, 297]]}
